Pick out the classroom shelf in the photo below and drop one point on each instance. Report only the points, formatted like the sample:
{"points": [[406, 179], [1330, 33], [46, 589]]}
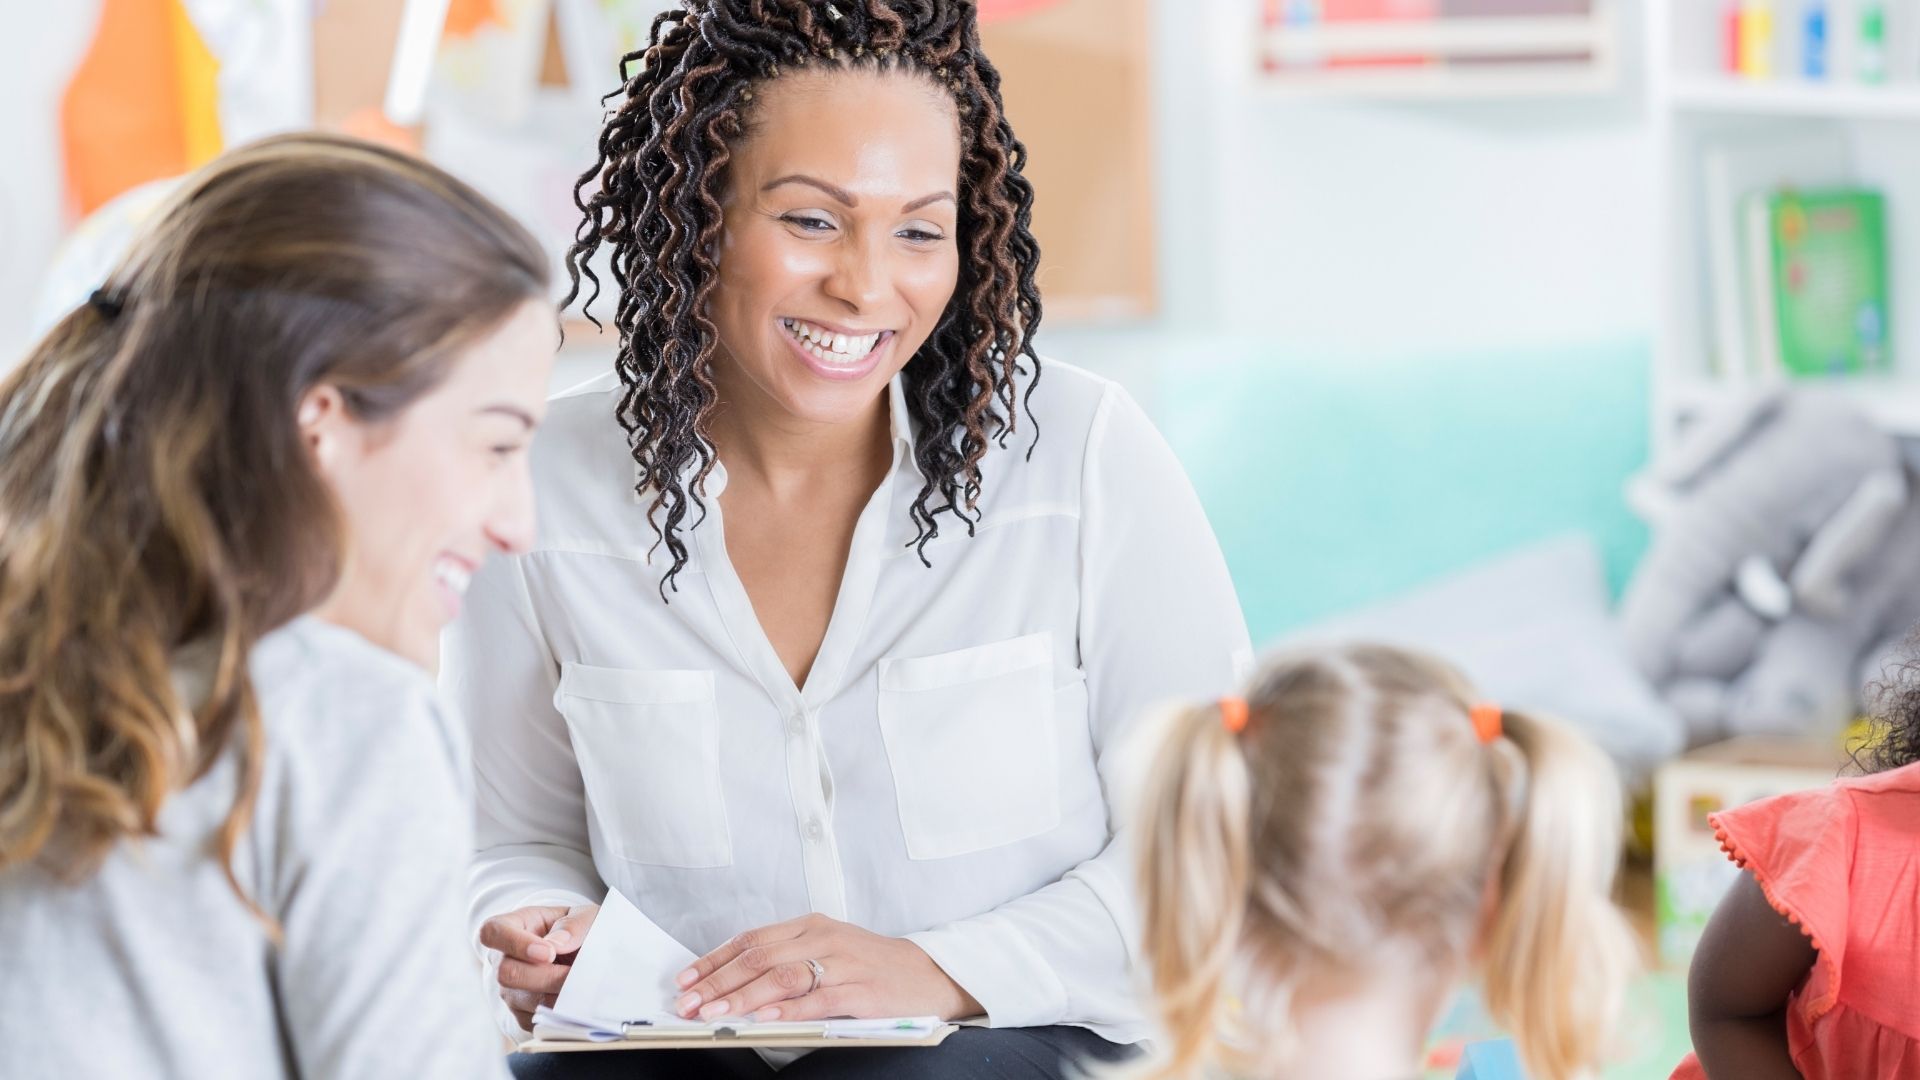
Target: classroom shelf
{"points": [[1710, 131], [1444, 82], [1702, 94], [1463, 57], [1513, 36]]}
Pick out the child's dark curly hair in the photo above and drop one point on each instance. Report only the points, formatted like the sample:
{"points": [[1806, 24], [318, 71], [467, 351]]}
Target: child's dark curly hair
{"points": [[1895, 701], [653, 199]]}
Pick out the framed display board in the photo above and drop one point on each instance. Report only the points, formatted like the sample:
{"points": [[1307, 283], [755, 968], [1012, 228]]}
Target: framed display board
{"points": [[1078, 82]]}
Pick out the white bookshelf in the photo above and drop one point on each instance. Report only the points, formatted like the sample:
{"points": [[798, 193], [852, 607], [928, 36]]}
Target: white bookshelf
{"points": [[1693, 105], [1709, 96], [1294, 59]]}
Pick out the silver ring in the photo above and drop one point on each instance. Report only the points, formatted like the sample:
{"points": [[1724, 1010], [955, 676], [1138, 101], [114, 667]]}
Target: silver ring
{"points": [[819, 973]]}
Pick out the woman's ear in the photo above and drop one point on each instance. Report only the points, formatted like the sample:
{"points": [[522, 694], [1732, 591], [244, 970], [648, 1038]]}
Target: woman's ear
{"points": [[324, 426]]}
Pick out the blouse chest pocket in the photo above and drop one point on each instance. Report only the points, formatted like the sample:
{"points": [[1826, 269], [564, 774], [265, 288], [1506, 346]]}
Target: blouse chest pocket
{"points": [[648, 745], [971, 742]]}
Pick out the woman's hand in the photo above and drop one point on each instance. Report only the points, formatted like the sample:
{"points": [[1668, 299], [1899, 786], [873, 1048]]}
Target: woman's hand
{"points": [[764, 974], [537, 946]]}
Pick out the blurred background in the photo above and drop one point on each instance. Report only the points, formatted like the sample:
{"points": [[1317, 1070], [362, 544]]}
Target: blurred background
{"points": [[1573, 339]]}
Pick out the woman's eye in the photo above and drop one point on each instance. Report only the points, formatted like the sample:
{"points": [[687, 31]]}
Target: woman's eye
{"points": [[920, 236], [504, 452], [807, 224]]}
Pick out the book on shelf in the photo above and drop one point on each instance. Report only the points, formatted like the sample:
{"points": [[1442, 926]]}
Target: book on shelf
{"points": [[1847, 41], [1732, 168], [1496, 9], [1302, 15], [1816, 261], [1334, 11]]}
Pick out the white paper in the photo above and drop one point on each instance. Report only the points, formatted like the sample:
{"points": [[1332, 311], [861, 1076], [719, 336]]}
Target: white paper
{"points": [[625, 970], [899, 1027], [624, 974]]}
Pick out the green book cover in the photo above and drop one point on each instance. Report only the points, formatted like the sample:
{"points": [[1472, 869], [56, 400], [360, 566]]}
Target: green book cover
{"points": [[1830, 280]]}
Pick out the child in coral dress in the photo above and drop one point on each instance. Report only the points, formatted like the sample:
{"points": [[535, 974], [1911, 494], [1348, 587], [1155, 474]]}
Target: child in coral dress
{"points": [[1810, 967]]}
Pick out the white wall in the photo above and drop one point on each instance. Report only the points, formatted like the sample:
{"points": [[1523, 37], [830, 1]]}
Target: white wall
{"points": [[1385, 228], [46, 41]]}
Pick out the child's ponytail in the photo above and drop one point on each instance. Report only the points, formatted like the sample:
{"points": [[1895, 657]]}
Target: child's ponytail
{"points": [[1194, 864], [1558, 953]]}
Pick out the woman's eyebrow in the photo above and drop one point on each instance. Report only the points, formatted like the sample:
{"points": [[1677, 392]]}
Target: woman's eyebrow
{"points": [[926, 200], [840, 194], [848, 198], [512, 411]]}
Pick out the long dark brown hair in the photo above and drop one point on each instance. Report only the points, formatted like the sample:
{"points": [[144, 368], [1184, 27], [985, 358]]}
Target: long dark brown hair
{"points": [[156, 499], [653, 199]]}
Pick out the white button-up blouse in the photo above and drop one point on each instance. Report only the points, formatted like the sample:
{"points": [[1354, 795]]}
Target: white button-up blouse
{"points": [[945, 773]]}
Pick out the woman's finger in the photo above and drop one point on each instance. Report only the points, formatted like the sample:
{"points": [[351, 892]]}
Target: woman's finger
{"points": [[518, 933], [753, 964], [825, 1003], [742, 959], [569, 932], [780, 982], [539, 978]]}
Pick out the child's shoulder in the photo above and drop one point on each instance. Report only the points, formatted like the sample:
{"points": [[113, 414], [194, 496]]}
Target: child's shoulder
{"points": [[1893, 792], [1808, 849], [1904, 780], [1884, 801]]}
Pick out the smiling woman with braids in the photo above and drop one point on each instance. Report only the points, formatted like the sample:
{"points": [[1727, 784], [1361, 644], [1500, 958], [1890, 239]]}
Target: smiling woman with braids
{"points": [[838, 609]]}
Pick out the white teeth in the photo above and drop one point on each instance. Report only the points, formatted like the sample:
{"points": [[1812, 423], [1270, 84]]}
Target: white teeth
{"points": [[829, 346], [453, 576]]}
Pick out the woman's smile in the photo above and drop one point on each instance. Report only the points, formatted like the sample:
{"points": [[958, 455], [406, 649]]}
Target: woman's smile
{"points": [[835, 352]]}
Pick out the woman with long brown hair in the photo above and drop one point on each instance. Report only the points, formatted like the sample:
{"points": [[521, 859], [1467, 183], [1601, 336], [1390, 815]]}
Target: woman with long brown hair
{"points": [[241, 490], [839, 608]]}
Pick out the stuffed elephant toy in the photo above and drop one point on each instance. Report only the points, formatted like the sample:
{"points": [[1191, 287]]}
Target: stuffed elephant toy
{"points": [[1784, 566]]}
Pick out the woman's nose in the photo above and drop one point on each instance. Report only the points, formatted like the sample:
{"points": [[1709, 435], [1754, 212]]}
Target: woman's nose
{"points": [[510, 527], [860, 276]]}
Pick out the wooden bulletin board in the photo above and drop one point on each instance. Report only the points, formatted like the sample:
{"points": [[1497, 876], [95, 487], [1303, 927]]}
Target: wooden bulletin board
{"points": [[353, 55], [1077, 80]]}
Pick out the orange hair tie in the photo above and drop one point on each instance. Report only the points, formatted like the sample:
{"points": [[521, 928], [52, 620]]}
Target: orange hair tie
{"points": [[1233, 714], [1486, 720]]}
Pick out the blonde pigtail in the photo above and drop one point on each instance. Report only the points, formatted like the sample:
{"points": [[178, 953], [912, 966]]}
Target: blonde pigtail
{"points": [[1194, 869], [1557, 953]]}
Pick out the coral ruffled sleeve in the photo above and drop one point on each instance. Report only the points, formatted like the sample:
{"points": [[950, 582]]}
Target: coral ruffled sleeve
{"points": [[1800, 848]]}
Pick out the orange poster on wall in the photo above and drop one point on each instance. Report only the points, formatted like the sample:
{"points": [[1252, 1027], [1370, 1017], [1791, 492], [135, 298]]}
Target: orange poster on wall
{"points": [[142, 105]]}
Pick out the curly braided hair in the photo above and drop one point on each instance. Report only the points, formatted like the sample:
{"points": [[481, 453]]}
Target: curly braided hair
{"points": [[653, 200]]}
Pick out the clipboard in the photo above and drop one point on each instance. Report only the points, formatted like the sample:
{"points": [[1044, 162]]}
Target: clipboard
{"points": [[720, 1038]]}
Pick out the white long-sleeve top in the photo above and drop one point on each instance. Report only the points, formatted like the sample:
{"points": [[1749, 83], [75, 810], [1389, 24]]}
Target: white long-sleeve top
{"points": [[943, 775], [153, 967]]}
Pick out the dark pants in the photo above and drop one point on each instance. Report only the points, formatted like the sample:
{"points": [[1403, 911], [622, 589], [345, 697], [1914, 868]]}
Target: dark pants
{"points": [[1045, 1053]]}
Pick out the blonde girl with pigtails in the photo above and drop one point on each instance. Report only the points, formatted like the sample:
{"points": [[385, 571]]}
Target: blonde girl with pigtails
{"points": [[1323, 862]]}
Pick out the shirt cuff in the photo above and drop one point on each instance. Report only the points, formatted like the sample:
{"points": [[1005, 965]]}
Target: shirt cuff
{"points": [[990, 959]]}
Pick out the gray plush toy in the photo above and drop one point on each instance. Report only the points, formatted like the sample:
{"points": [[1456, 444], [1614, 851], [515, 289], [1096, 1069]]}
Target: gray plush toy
{"points": [[1784, 567]]}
